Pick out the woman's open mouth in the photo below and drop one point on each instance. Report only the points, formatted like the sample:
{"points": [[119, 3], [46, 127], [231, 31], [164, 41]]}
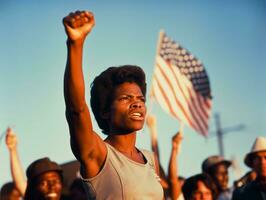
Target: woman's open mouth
{"points": [[50, 195]]}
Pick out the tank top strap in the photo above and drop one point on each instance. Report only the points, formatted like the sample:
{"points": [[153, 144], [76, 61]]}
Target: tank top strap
{"points": [[149, 156]]}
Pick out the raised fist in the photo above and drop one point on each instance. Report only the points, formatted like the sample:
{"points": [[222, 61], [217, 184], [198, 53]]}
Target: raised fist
{"points": [[176, 140], [78, 25], [11, 139]]}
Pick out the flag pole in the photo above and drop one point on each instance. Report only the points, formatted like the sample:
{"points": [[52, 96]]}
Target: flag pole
{"points": [[2, 135], [181, 129], [159, 42]]}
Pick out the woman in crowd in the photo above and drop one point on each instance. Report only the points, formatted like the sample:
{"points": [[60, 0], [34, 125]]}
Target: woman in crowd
{"points": [[199, 187], [113, 168]]}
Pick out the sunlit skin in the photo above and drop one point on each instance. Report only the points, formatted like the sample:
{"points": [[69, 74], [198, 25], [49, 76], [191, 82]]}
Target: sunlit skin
{"points": [[49, 186], [220, 175], [128, 110], [259, 164], [202, 192], [125, 115]]}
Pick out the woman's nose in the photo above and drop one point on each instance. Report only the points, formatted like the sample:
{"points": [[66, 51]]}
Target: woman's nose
{"points": [[137, 104]]}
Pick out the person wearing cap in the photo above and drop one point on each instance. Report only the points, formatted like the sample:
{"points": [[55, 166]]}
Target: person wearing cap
{"points": [[44, 180], [217, 168], [256, 160]]}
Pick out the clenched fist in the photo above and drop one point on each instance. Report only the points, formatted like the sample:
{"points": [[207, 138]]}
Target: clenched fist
{"points": [[78, 25], [176, 141], [11, 139]]}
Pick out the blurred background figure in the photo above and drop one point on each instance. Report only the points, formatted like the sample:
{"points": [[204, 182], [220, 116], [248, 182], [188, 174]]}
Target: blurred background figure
{"points": [[9, 192], [199, 187], [70, 170], [256, 160], [217, 168], [247, 178], [175, 182], [181, 180], [172, 184], [151, 123], [44, 180], [77, 191], [17, 172]]}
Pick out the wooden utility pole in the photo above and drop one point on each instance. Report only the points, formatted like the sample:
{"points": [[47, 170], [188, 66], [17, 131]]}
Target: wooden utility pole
{"points": [[220, 132]]}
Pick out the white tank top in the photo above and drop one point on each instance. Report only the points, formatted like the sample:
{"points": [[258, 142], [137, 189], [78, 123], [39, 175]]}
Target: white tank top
{"points": [[124, 179]]}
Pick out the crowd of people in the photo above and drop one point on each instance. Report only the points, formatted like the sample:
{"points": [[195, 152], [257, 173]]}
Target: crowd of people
{"points": [[45, 178], [114, 168], [212, 182]]}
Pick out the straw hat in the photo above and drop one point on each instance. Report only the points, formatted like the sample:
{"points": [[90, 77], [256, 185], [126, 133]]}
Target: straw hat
{"points": [[259, 145]]}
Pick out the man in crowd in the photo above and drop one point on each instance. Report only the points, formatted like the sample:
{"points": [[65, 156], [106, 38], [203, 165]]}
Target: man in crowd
{"points": [[217, 168], [256, 160], [44, 180]]}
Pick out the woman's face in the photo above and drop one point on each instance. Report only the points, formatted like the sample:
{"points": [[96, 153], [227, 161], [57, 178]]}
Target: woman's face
{"points": [[49, 186], [128, 110], [202, 192]]}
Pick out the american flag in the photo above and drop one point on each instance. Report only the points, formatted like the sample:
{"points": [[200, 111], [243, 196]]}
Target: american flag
{"points": [[181, 86]]}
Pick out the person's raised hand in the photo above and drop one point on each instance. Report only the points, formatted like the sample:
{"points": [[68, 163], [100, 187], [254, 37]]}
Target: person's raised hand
{"points": [[151, 123], [176, 140], [11, 139], [151, 120], [78, 25]]}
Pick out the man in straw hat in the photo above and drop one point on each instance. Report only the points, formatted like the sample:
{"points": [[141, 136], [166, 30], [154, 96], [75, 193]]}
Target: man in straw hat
{"points": [[256, 160]]}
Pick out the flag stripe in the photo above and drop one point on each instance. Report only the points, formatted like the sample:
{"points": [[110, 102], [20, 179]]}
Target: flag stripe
{"points": [[166, 98], [179, 98], [196, 124], [178, 81], [171, 95], [180, 85], [159, 96], [191, 106]]}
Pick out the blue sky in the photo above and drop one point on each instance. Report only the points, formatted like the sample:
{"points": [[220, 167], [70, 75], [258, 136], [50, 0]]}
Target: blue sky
{"points": [[227, 36]]}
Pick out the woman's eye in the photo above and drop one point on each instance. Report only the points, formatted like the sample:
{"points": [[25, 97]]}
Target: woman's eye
{"points": [[123, 98], [143, 99]]}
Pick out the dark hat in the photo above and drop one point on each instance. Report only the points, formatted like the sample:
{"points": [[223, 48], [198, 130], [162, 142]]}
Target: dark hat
{"points": [[41, 166], [213, 161]]}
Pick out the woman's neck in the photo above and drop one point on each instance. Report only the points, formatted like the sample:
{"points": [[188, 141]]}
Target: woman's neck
{"points": [[123, 143]]}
